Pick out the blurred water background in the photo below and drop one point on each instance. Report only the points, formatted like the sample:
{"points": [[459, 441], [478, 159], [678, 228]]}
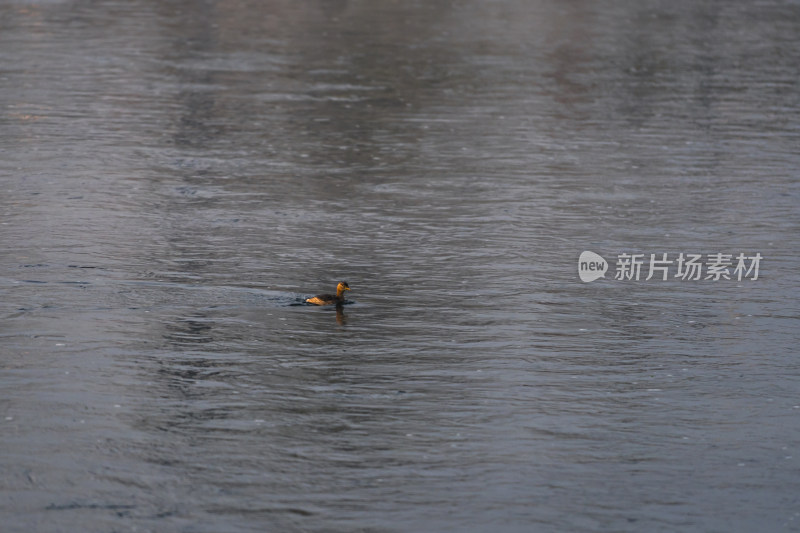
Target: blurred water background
{"points": [[176, 176]]}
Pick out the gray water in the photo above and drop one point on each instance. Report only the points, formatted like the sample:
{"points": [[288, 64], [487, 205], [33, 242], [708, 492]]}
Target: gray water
{"points": [[177, 176]]}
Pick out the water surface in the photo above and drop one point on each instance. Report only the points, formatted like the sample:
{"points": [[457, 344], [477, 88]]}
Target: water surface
{"points": [[177, 176]]}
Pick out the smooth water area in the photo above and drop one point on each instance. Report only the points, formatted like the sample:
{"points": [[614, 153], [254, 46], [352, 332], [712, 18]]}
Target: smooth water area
{"points": [[177, 176]]}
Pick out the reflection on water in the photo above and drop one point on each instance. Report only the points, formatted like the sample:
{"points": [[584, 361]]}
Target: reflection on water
{"points": [[178, 177]]}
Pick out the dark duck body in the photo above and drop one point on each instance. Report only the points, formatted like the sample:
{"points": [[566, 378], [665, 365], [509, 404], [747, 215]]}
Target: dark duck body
{"points": [[331, 299]]}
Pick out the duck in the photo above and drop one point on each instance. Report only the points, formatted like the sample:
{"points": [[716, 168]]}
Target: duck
{"points": [[330, 299]]}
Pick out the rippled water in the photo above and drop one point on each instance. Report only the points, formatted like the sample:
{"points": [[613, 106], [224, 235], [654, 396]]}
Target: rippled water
{"points": [[177, 176]]}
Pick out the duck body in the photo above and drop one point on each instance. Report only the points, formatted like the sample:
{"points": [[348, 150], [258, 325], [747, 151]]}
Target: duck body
{"points": [[330, 299]]}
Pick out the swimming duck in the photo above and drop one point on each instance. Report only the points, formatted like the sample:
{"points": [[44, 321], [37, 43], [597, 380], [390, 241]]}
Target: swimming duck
{"points": [[330, 299]]}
